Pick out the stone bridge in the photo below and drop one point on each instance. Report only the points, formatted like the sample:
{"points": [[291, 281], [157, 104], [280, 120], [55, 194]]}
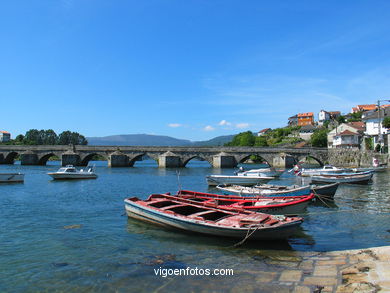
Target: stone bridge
{"points": [[167, 157]]}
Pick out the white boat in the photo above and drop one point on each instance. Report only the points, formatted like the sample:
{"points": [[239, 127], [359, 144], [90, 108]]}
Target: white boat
{"points": [[70, 172], [11, 177], [242, 177], [372, 169], [267, 190], [246, 180], [265, 172], [354, 178], [318, 171]]}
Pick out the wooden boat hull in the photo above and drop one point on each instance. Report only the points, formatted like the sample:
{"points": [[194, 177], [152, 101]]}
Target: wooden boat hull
{"points": [[154, 216], [350, 179], [328, 190], [277, 205], [264, 191], [11, 177], [214, 180]]}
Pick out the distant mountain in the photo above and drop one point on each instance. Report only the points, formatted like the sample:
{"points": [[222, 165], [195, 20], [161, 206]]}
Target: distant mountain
{"points": [[155, 140], [216, 141], [138, 140]]}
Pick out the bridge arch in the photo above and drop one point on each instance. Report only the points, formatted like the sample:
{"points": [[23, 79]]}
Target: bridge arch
{"points": [[246, 157], [42, 160], [85, 160], [319, 161], [10, 157], [133, 161], [200, 158]]}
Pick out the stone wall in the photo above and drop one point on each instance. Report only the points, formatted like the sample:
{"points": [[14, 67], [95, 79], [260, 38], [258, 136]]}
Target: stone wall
{"points": [[355, 157]]}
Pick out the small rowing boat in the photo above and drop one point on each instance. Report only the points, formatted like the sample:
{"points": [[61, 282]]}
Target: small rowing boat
{"points": [[289, 205], [185, 215], [11, 177], [352, 178], [267, 190]]}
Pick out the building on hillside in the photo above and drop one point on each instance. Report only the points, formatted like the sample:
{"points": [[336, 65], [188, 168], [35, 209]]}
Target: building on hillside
{"points": [[306, 131], [263, 131], [347, 139], [5, 136], [305, 119], [293, 120], [355, 127], [374, 127], [324, 116], [367, 107]]}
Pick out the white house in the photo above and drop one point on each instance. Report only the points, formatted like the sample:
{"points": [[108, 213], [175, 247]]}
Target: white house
{"points": [[374, 121], [5, 136], [354, 127], [323, 116], [263, 132], [346, 139]]}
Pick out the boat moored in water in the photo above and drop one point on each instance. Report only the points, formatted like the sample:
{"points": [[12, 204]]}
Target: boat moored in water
{"points": [[352, 178], [317, 171], [11, 177], [70, 172], [277, 205], [185, 215], [267, 190]]}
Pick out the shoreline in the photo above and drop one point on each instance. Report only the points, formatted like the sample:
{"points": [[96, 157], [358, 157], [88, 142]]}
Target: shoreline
{"points": [[344, 271]]}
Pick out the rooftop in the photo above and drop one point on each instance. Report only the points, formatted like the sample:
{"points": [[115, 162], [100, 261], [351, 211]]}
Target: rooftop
{"points": [[308, 114]]}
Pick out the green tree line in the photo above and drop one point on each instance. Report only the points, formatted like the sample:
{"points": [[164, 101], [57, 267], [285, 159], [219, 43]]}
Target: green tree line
{"points": [[279, 136], [49, 137]]}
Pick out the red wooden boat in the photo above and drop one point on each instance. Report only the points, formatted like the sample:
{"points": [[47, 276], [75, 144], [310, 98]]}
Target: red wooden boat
{"points": [[187, 215], [276, 205]]}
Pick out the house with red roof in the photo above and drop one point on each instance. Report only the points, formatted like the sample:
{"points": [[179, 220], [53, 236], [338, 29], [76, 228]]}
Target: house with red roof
{"points": [[347, 139], [5, 136], [357, 128], [263, 131], [305, 118]]}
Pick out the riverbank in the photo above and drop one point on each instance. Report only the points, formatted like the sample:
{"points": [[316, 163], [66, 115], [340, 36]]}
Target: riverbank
{"points": [[360, 270]]}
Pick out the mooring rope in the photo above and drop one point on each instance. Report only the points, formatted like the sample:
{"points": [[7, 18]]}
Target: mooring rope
{"points": [[247, 236]]}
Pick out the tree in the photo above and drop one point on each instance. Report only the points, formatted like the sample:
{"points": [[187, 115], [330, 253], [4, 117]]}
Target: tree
{"points": [[355, 117], [19, 139], [386, 122], [261, 141], [319, 138], [32, 137], [341, 119], [243, 139], [68, 137], [49, 137]]}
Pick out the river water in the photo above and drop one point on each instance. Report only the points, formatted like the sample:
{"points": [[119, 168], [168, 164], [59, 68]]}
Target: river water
{"points": [[73, 236]]}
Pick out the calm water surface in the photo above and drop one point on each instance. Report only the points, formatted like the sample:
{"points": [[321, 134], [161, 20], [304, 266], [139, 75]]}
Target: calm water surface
{"points": [[72, 236]]}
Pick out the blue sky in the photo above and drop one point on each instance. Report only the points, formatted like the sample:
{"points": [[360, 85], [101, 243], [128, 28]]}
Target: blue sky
{"points": [[187, 69]]}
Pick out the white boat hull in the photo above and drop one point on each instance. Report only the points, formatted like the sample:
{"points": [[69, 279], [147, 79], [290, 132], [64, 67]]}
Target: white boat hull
{"points": [[354, 179], [11, 177], [188, 225], [214, 180], [263, 191], [64, 176]]}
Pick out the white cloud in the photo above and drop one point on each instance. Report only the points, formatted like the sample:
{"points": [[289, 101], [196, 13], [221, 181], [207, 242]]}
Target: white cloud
{"points": [[224, 123], [242, 125], [208, 128], [174, 125]]}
